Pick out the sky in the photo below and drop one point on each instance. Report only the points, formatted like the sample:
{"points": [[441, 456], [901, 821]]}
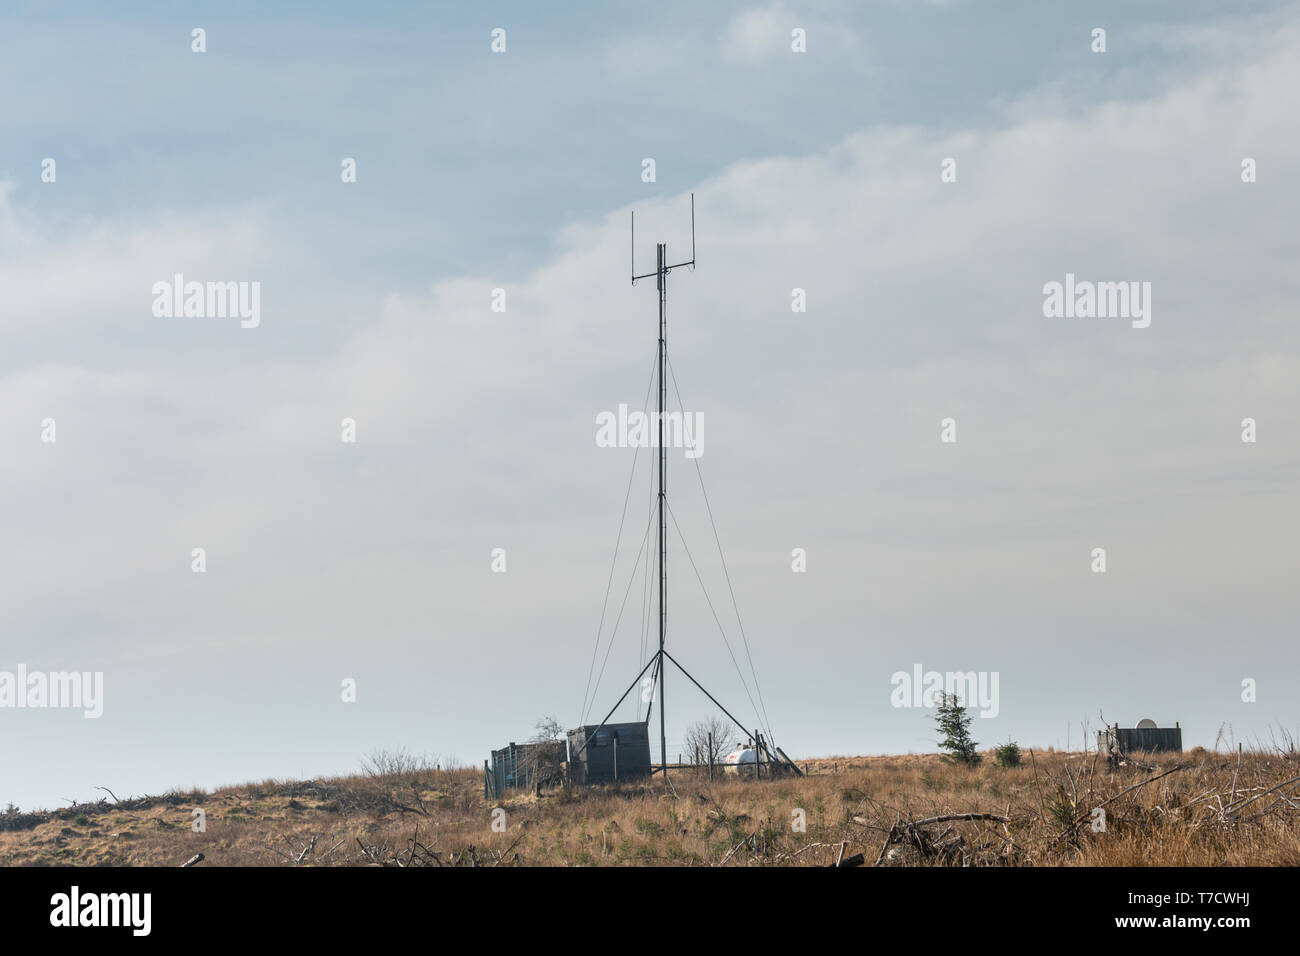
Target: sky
{"points": [[372, 561]]}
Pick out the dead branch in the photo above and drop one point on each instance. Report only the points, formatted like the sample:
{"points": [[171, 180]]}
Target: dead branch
{"points": [[309, 848], [961, 816], [1236, 811], [732, 851]]}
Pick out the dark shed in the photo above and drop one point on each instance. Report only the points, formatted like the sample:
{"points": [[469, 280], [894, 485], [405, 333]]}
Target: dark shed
{"points": [[612, 752], [1144, 737]]}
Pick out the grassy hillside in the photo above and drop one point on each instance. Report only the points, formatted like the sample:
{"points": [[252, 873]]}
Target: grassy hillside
{"points": [[1211, 810]]}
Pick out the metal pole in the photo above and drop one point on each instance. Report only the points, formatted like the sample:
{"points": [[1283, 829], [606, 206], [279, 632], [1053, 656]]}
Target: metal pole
{"points": [[662, 249], [629, 690]]}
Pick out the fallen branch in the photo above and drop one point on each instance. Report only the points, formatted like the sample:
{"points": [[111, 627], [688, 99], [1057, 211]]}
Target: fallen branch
{"points": [[366, 850], [927, 845], [502, 855], [278, 852], [889, 838], [1236, 811], [1135, 787], [1109, 800], [732, 851], [791, 856], [309, 848], [961, 816]]}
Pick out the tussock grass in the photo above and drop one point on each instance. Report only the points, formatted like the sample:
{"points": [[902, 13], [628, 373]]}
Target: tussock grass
{"points": [[1042, 815]]}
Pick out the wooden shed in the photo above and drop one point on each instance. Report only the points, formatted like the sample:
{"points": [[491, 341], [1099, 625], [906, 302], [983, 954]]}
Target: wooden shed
{"points": [[611, 753], [1145, 737]]}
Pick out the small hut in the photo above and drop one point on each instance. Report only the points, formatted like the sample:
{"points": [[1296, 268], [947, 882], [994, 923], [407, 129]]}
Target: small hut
{"points": [[1145, 737], [609, 753]]}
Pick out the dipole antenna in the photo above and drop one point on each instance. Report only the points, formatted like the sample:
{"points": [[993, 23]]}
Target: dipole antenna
{"points": [[662, 269]]}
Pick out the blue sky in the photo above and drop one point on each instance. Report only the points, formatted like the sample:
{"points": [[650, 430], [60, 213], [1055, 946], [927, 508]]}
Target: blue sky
{"points": [[478, 171], [470, 161]]}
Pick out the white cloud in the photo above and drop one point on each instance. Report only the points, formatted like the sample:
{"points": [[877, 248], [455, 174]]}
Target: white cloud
{"points": [[476, 428], [763, 33]]}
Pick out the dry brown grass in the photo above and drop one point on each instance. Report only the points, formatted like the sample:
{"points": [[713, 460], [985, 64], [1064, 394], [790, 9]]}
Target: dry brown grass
{"points": [[431, 817]]}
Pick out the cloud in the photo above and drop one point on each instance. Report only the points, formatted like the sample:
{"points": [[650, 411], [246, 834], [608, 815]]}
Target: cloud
{"points": [[764, 33], [476, 429], [73, 281]]}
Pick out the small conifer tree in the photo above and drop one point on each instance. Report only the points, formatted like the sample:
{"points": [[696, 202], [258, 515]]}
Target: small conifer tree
{"points": [[954, 724]]}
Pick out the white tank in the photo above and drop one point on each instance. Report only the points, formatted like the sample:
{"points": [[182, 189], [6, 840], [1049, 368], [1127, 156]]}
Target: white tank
{"points": [[742, 760]]}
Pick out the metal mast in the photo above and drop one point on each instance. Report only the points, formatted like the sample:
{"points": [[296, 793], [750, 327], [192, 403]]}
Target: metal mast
{"points": [[662, 268], [663, 468], [661, 657]]}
